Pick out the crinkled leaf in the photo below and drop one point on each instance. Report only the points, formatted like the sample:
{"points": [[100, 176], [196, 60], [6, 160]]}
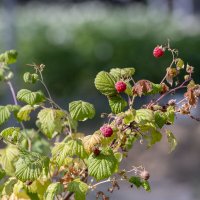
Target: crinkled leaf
{"points": [[146, 185], [171, 140], [8, 158], [117, 104], [155, 136], [170, 114], [160, 118], [129, 116], [105, 83], [4, 114], [9, 57], [30, 78], [102, 166], [90, 141], [30, 166], [38, 187], [179, 64], [19, 191], [138, 182], [81, 111], [2, 173], [30, 97], [12, 134], [156, 89], [50, 121], [24, 113], [142, 87], [8, 187], [70, 148], [144, 115], [52, 190], [122, 72], [79, 188]]}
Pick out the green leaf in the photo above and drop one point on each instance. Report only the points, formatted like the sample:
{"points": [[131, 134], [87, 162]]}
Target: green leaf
{"points": [[51, 121], [105, 83], [122, 72], [24, 113], [52, 190], [102, 166], [81, 111], [146, 186], [79, 188], [8, 158], [144, 115], [160, 118], [73, 147], [170, 114], [179, 63], [2, 173], [4, 114], [156, 89], [155, 136], [30, 97], [136, 181], [119, 156], [11, 56], [171, 140], [8, 187], [38, 187], [30, 166], [12, 134], [30, 78], [129, 116], [117, 104]]}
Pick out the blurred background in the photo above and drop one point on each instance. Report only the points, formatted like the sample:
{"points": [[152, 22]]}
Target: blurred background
{"points": [[76, 39]]}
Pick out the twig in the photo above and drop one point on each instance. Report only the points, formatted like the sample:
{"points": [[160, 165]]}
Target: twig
{"points": [[21, 123]]}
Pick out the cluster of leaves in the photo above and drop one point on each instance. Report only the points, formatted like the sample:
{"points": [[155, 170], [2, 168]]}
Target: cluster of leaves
{"points": [[32, 168]]}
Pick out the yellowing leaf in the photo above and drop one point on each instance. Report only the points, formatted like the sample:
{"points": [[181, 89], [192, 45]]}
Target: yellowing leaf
{"points": [[90, 141], [51, 121]]}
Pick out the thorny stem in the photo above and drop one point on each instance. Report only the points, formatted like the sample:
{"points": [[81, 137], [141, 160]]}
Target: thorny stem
{"points": [[173, 51], [42, 81], [170, 91], [15, 101]]}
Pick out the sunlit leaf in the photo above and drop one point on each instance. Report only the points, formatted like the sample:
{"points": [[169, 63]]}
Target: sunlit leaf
{"points": [[81, 111]]}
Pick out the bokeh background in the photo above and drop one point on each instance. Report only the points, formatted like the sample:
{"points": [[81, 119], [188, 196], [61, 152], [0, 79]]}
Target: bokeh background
{"points": [[76, 39]]}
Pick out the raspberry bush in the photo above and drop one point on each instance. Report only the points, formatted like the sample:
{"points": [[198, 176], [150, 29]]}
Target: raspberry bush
{"points": [[53, 160]]}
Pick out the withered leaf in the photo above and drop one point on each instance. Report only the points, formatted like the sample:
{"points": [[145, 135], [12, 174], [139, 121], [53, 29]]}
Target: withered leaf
{"points": [[142, 87]]}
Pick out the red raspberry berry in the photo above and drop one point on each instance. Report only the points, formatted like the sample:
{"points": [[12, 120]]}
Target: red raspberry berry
{"points": [[120, 86], [158, 51], [106, 130]]}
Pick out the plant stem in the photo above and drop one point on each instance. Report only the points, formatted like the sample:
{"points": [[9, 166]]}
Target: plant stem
{"points": [[170, 91], [42, 81], [15, 101], [12, 92]]}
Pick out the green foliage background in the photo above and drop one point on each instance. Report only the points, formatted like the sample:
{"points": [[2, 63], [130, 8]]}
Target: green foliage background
{"points": [[77, 42]]}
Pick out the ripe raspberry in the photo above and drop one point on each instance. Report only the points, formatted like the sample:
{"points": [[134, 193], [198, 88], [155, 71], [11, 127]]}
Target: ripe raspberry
{"points": [[145, 175], [106, 130], [120, 86], [158, 51]]}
